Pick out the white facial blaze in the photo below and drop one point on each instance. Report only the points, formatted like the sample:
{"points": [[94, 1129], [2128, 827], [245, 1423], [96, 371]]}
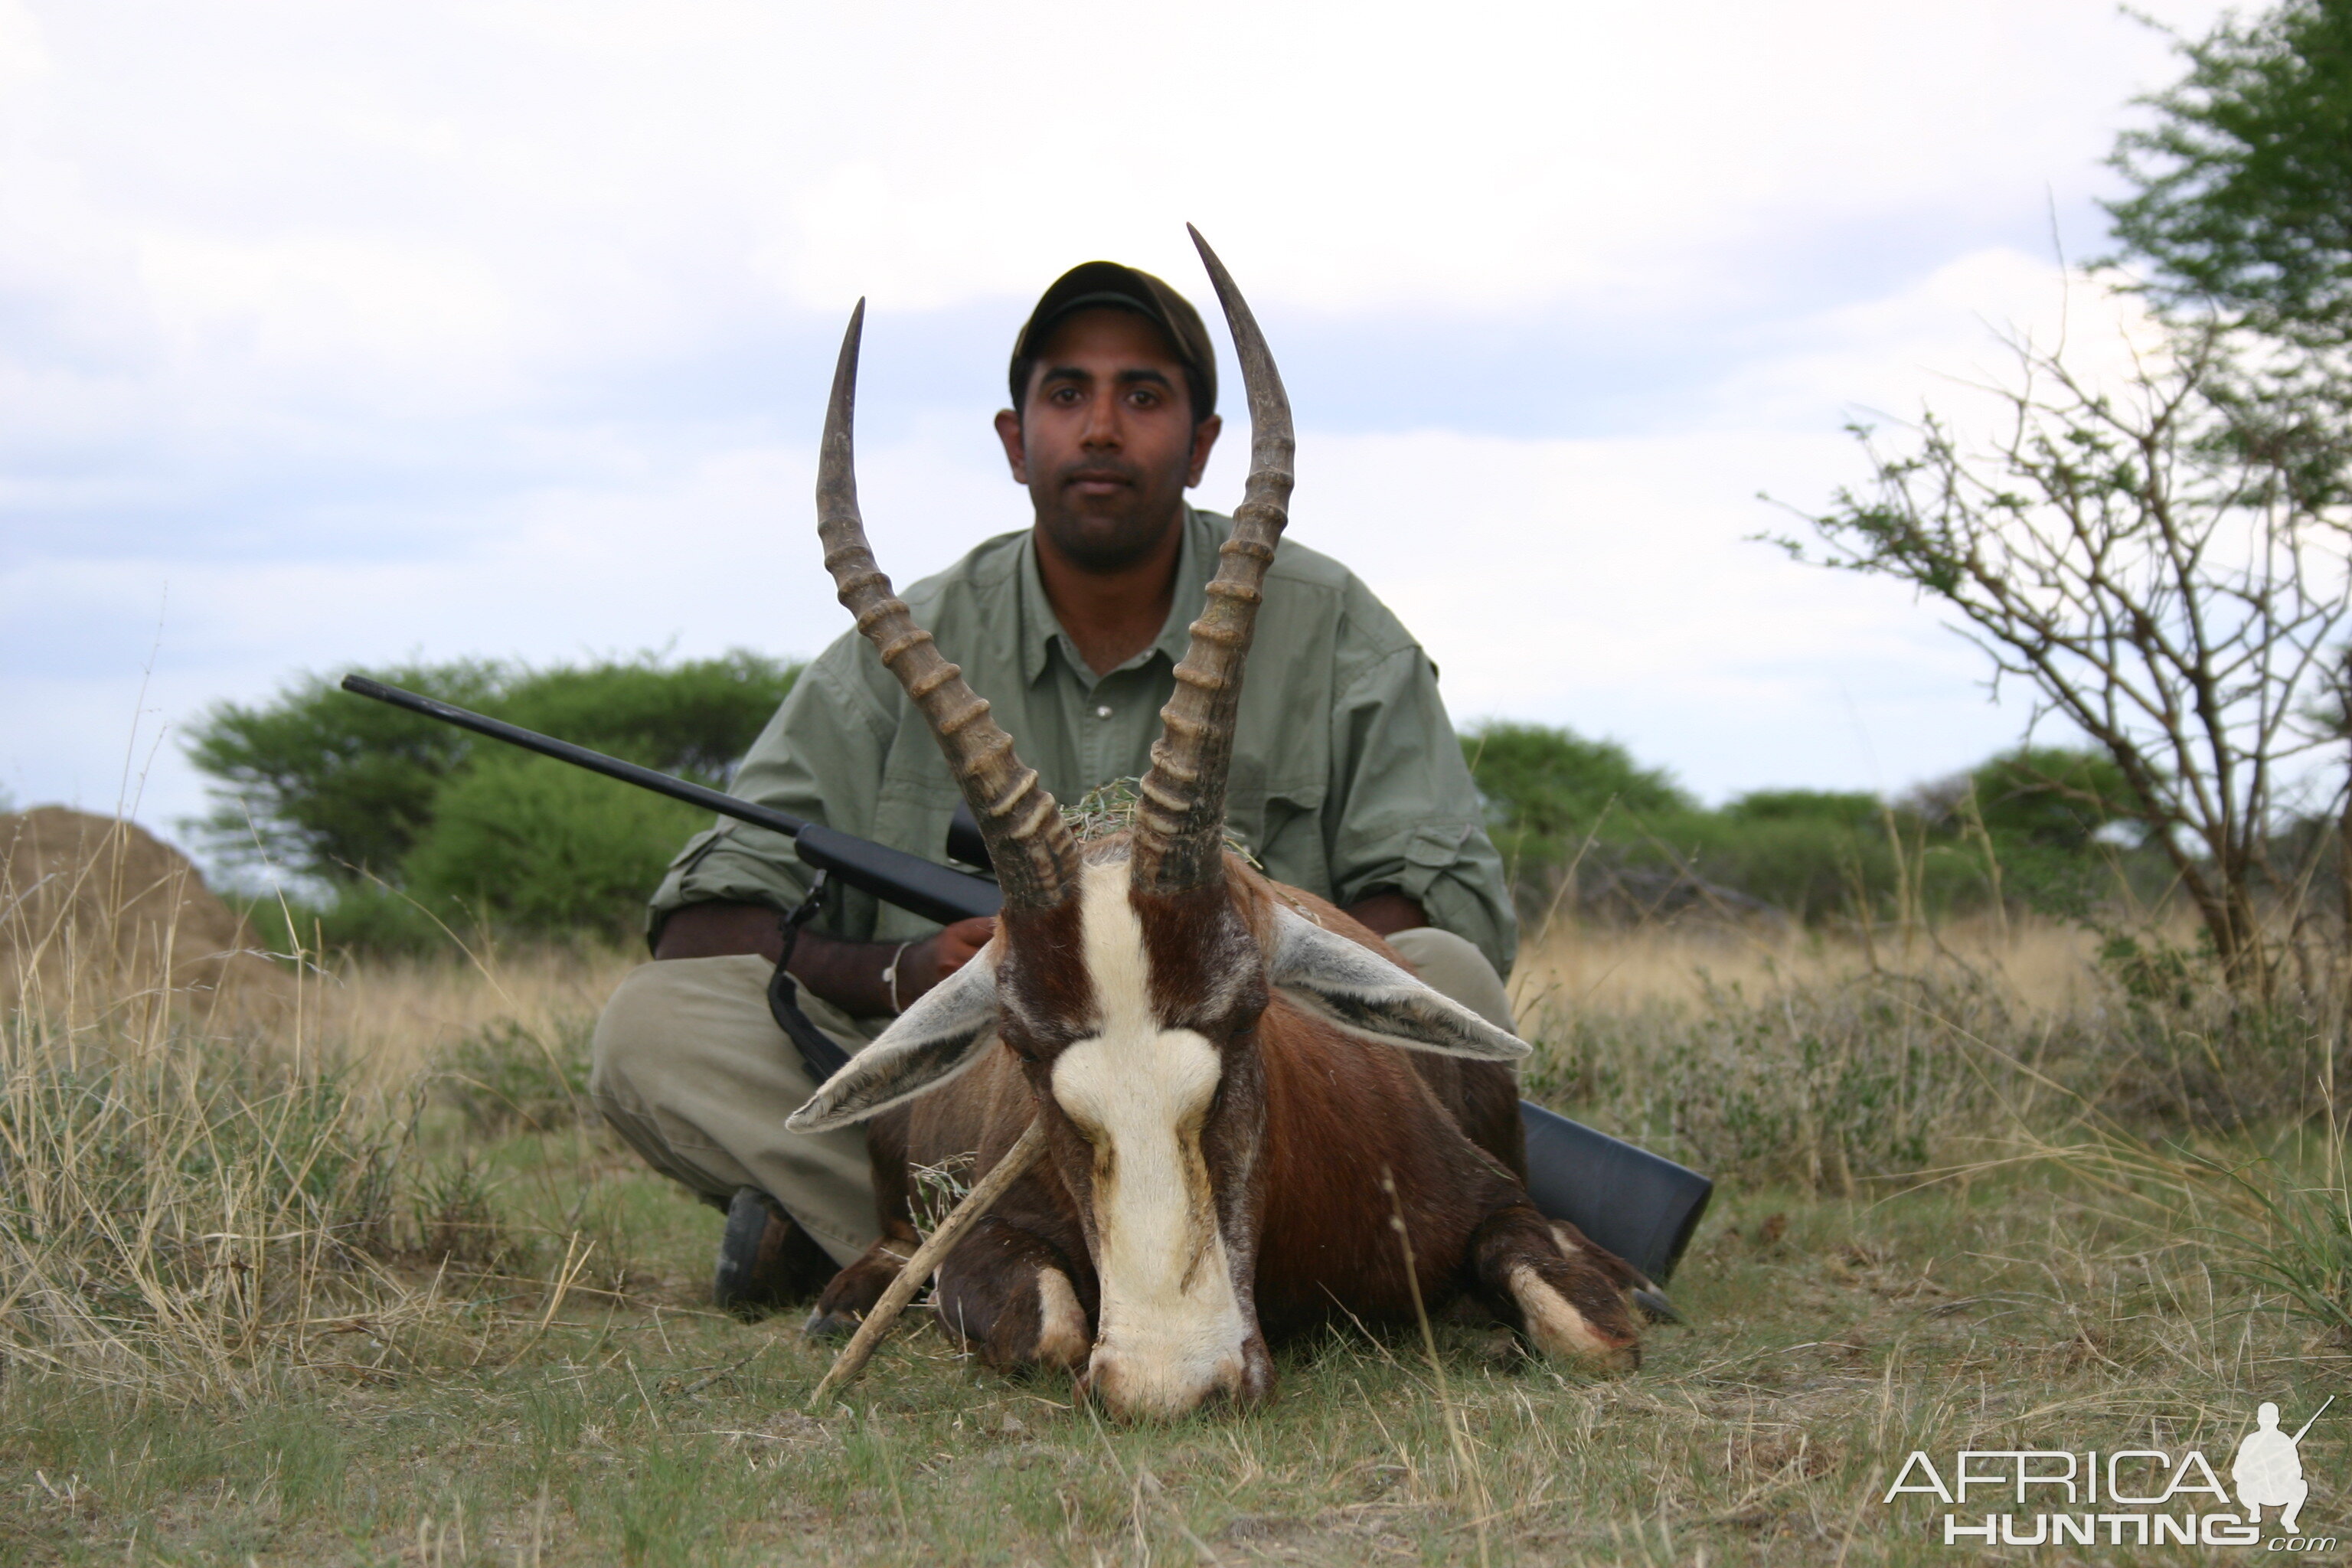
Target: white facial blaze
{"points": [[1171, 1329]]}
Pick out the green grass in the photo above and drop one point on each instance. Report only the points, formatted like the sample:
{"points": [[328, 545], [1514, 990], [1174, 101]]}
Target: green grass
{"points": [[1829, 1338], [454, 1323]]}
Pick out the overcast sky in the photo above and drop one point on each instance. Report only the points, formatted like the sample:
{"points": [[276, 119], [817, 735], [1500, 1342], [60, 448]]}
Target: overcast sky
{"points": [[337, 333]]}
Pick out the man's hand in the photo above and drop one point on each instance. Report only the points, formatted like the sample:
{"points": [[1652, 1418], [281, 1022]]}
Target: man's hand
{"points": [[935, 958]]}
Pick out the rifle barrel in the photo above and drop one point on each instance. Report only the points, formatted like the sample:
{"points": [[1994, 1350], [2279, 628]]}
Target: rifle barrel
{"points": [[893, 875]]}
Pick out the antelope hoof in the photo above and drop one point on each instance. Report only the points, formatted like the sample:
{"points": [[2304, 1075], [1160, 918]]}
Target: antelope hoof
{"points": [[855, 1289], [1556, 1328], [824, 1325]]}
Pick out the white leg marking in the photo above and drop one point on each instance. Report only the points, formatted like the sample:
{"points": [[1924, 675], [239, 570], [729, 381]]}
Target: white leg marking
{"points": [[1063, 1338], [1559, 1329], [1172, 1330]]}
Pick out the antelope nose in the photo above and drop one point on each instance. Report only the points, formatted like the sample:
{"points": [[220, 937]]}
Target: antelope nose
{"points": [[1137, 1385]]}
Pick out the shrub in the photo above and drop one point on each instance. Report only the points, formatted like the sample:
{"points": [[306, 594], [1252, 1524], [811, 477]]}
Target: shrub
{"points": [[1821, 1085], [1542, 785], [328, 784], [531, 845], [379, 811], [365, 917], [506, 1076], [2031, 824]]}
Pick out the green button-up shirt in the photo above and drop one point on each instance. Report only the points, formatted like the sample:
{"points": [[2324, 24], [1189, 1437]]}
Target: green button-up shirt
{"points": [[1346, 774]]}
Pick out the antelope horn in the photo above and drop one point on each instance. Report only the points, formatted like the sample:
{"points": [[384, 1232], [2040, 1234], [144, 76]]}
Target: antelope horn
{"points": [[1180, 821], [1035, 857]]}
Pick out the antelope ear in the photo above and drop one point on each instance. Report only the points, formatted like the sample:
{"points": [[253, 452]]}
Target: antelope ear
{"points": [[947, 1030], [1364, 993]]}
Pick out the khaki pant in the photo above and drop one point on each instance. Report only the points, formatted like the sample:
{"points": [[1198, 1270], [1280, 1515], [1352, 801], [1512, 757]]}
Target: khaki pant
{"points": [[691, 1070]]}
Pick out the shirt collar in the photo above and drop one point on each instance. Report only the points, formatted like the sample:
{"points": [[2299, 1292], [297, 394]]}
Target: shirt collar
{"points": [[1195, 557]]}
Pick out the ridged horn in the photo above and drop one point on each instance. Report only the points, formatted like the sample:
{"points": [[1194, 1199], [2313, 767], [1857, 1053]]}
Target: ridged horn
{"points": [[1180, 821], [1036, 859]]}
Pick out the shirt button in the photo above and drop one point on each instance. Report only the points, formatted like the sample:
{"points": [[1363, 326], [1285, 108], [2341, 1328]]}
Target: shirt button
{"points": [[1102, 712]]}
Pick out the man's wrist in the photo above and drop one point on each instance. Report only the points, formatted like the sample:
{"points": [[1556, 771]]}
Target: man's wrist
{"points": [[854, 976], [1384, 912], [720, 929], [891, 973]]}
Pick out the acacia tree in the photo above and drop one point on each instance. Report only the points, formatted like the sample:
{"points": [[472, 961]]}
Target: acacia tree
{"points": [[337, 789], [2240, 201], [2163, 562]]}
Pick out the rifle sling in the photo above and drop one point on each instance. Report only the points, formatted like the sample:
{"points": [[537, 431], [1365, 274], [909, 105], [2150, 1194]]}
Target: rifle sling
{"points": [[822, 1057], [818, 1053]]}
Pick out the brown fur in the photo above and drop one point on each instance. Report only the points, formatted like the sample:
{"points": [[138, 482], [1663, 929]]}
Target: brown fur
{"points": [[1308, 1121]]}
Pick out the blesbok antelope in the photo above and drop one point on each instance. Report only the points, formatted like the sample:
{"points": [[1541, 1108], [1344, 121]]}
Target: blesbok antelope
{"points": [[1228, 1070]]}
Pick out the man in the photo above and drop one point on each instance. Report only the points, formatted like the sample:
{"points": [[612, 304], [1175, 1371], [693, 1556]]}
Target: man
{"points": [[1346, 780]]}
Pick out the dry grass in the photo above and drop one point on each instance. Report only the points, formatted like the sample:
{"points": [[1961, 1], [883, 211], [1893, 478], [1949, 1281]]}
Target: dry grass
{"points": [[391, 1022], [298, 1299], [2037, 965]]}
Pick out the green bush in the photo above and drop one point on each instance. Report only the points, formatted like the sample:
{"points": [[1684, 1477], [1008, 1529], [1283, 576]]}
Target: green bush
{"points": [[1541, 784], [2030, 823], [696, 719], [395, 824], [1811, 866], [507, 1075], [1553, 796], [1852, 810], [2046, 795], [527, 844]]}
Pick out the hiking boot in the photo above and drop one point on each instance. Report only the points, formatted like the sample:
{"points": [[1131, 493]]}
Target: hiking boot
{"points": [[765, 1261]]}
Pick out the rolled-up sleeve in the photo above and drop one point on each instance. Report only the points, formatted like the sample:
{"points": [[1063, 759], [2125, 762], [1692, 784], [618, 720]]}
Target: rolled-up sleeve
{"points": [[1404, 814], [818, 758]]}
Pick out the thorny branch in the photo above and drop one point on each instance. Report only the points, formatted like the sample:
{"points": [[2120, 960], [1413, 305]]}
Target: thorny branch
{"points": [[2164, 565]]}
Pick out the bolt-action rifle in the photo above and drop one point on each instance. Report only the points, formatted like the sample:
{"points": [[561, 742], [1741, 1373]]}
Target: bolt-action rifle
{"points": [[1639, 1205]]}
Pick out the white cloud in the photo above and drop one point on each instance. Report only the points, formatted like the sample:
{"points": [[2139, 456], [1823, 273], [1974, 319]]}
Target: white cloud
{"points": [[498, 328], [1611, 583], [616, 166]]}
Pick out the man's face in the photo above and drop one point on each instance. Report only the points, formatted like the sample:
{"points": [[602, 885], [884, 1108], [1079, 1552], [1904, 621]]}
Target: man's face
{"points": [[1105, 439]]}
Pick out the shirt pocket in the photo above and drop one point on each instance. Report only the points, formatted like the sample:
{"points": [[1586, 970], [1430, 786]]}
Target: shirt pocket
{"points": [[1430, 853]]}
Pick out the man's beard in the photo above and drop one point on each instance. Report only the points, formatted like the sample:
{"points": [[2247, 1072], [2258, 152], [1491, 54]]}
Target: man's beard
{"points": [[1113, 533]]}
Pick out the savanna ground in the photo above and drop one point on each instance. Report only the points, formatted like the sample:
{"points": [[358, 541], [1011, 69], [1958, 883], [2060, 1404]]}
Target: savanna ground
{"points": [[355, 1282]]}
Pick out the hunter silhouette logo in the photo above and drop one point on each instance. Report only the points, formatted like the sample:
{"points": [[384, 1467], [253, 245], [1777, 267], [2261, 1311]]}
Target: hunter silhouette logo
{"points": [[2268, 1469], [2122, 1497]]}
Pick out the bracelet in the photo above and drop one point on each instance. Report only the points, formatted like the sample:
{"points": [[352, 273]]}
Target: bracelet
{"points": [[890, 976]]}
